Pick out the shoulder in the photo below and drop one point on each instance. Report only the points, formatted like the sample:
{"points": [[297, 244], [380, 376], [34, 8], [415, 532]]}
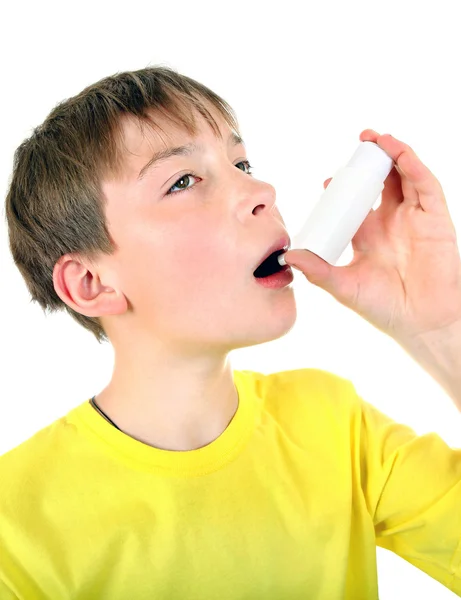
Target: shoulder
{"points": [[314, 391], [304, 383], [31, 461]]}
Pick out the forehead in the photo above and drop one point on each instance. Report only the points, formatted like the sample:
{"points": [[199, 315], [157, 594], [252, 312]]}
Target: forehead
{"points": [[142, 140], [162, 131]]}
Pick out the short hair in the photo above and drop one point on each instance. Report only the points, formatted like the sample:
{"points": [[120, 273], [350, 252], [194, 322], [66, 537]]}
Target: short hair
{"points": [[54, 204]]}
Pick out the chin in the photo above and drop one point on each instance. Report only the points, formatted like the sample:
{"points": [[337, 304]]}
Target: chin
{"points": [[272, 326]]}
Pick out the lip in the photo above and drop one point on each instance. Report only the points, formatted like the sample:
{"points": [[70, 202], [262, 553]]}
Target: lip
{"points": [[282, 243]]}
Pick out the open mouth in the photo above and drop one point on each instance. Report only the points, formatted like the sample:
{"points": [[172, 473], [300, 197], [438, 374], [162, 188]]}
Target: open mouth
{"points": [[270, 265]]}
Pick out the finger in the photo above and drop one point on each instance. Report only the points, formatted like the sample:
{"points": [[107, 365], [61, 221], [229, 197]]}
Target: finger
{"points": [[395, 188], [392, 194], [369, 135], [429, 191]]}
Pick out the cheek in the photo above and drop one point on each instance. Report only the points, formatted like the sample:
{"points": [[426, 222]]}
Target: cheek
{"points": [[201, 260], [199, 250], [184, 261]]}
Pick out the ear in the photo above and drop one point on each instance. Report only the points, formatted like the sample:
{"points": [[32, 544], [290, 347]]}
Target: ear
{"points": [[78, 284]]}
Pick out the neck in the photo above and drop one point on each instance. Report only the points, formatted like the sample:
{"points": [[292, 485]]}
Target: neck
{"points": [[171, 406]]}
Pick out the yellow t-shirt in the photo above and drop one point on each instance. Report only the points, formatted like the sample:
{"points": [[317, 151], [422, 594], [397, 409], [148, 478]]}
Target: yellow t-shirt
{"points": [[289, 502]]}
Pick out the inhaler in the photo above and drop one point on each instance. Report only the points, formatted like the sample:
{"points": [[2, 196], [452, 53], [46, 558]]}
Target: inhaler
{"points": [[345, 204]]}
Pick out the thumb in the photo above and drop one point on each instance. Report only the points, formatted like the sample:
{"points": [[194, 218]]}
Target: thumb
{"points": [[317, 270]]}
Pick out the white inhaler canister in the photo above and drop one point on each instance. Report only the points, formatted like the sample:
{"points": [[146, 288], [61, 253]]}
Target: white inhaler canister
{"points": [[345, 203]]}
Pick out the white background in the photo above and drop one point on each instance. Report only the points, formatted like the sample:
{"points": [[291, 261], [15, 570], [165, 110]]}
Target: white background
{"points": [[305, 79]]}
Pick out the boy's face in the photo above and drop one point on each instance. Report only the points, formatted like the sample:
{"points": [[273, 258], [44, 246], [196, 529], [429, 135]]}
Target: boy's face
{"points": [[186, 259]]}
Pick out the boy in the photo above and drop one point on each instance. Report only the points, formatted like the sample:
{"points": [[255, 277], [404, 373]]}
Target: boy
{"points": [[133, 208]]}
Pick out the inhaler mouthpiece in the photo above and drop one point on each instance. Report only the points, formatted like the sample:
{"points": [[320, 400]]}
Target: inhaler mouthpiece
{"points": [[345, 204]]}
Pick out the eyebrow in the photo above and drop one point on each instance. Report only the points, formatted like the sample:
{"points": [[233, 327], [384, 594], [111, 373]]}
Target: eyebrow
{"points": [[185, 150]]}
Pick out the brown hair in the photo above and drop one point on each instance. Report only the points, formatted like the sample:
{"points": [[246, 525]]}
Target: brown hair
{"points": [[54, 205]]}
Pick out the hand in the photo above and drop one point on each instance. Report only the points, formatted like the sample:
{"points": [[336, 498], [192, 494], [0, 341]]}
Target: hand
{"points": [[405, 276]]}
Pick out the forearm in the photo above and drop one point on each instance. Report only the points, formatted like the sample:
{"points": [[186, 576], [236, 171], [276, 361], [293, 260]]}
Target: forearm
{"points": [[439, 354]]}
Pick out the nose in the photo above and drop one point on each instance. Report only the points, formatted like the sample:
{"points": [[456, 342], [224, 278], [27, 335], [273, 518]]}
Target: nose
{"points": [[265, 200], [262, 196], [254, 195]]}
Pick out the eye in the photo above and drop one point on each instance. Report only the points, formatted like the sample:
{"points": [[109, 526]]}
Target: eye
{"points": [[183, 187], [183, 178], [247, 164]]}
